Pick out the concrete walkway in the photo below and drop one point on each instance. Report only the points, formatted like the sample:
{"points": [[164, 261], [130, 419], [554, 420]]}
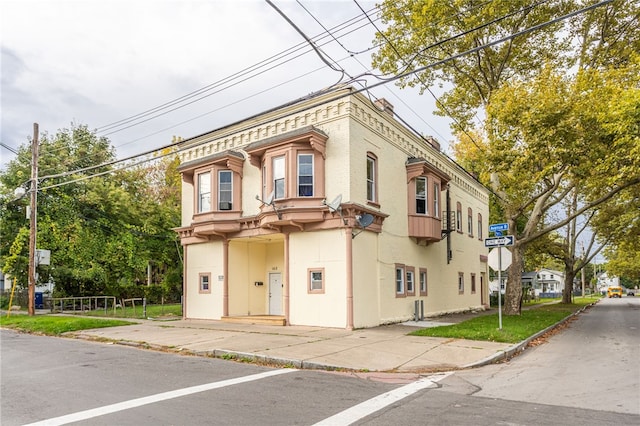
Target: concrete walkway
{"points": [[380, 349]]}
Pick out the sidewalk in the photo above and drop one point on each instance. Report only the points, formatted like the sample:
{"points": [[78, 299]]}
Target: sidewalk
{"points": [[379, 349]]}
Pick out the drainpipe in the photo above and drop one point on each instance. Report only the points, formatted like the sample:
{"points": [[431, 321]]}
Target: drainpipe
{"points": [[349, 274]]}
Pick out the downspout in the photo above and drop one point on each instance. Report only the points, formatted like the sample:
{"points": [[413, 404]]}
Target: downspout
{"points": [[184, 283], [349, 274], [449, 229]]}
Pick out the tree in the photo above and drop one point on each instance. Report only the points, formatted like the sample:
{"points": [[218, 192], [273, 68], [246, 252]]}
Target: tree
{"points": [[103, 225], [422, 33], [539, 146]]}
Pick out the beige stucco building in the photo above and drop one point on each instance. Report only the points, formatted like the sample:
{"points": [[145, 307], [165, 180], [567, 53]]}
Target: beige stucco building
{"points": [[328, 212]]}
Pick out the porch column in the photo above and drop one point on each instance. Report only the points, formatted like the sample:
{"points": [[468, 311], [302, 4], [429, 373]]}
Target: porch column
{"points": [[349, 277], [225, 282], [285, 278]]}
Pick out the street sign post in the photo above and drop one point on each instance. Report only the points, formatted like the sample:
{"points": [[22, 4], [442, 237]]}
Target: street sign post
{"points": [[498, 242]]}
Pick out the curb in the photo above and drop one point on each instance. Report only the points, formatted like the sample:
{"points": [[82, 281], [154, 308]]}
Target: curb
{"points": [[520, 347]]}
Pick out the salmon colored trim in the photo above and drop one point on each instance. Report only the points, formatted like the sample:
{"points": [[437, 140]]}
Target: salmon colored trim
{"points": [[286, 279], [225, 271], [349, 241], [184, 282]]}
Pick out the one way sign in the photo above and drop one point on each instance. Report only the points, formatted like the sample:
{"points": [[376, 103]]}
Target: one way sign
{"points": [[504, 241]]}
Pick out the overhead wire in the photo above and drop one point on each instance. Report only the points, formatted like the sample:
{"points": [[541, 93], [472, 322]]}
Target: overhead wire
{"points": [[337, 97]]}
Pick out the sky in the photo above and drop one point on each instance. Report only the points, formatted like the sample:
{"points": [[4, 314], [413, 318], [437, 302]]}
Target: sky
{"points": [[96, 63]]}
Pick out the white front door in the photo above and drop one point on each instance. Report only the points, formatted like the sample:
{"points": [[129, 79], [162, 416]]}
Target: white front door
{"points": [[275, 294]]}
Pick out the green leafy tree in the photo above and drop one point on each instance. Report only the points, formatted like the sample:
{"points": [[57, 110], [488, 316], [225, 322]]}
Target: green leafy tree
{"points": [[545, 135], [102, 225]]}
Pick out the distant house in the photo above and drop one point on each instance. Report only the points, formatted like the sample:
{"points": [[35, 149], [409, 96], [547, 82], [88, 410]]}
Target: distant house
{"points": [[544, 282], [605, 281], [329, 212]]}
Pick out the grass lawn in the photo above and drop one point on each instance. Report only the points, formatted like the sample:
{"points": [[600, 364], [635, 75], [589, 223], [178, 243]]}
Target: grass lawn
{"points": [[514, 328], [55, 325]]}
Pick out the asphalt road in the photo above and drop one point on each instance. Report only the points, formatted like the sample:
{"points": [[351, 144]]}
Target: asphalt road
{"points": [[585, 375]]}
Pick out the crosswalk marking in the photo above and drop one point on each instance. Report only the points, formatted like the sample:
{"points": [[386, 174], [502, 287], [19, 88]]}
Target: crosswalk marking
{"points": [[357, 412], [125, 405]]}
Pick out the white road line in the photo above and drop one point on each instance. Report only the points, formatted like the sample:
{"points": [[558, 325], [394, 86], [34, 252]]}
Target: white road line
{"points": [[357, 412], [125, 405]]}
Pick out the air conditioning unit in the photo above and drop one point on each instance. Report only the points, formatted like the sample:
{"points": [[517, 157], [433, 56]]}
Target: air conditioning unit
{"points": [[225, 205]]}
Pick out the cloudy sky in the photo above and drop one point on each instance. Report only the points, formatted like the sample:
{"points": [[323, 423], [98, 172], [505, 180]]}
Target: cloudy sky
{"points": [[141, 71]]}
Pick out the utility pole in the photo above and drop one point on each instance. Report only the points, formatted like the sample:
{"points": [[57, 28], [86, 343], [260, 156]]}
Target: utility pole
{"points": [[33, 220]]}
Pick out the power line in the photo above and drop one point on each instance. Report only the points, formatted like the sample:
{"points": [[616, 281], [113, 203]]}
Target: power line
{"points": [[354, 91]]}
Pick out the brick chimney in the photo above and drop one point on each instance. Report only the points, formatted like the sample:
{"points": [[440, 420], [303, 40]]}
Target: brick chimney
{"points": [[384, 105]]}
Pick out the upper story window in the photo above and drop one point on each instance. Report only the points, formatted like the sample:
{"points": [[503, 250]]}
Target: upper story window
{"points": [[292, 164], [305, 175], [372, 174], [204, 192], [278, 178], [459, 217], [479, 226], [216, 182], [470, 222], [225, 190], [421, 195]]}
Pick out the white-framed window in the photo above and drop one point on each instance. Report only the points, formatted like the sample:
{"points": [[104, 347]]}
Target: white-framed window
{"points": [[459, 218], [371, 178], [225, 190], [411, 289], [400, 288], [421, 195], [479, 226], [316, 280], [436, 200], [204, 192], [423, 281], [460, 282], [279, 177], [470, 222], [305, 175], [204, 283]]}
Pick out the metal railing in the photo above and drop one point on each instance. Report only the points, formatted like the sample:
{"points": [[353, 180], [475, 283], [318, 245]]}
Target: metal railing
{"points": [[83, 303]]}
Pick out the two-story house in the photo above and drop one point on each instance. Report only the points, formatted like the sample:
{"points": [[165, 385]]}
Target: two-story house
{"points": [[329, 212]]}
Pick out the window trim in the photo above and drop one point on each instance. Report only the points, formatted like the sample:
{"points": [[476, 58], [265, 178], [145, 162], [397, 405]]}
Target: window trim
{"points": [[423, 272], [458, 217], [480, 233], [403, 292], [470, 222], [372, 181], [310, 289], [410, 270], [206, 275]]}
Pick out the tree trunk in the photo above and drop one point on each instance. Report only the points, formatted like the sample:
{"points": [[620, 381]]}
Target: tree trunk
{"points": [[569, 275], [513, 291]]}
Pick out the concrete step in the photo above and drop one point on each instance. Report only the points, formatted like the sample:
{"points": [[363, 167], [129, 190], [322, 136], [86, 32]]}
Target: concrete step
{"points": [[256, 319]]}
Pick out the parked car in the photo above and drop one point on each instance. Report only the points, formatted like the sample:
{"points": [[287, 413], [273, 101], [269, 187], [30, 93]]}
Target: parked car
{"points": [[614, 292]]}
